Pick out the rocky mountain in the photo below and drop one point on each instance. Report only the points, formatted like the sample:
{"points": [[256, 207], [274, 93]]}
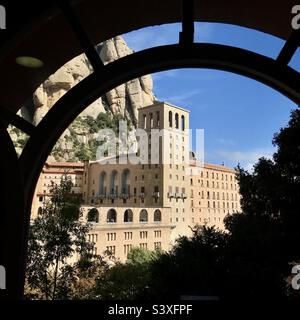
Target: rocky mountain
{"points": [[124, 101]]}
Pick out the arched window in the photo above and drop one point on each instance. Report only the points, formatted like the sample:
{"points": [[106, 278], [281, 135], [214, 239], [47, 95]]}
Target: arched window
{"points": [[40, 211], [157, 119], [157, 216], [144, 216], [113, 181], [144, 121], [151, 120], [176, 121], [102, 183], [125, 181], [112, 216], [182, 123], [128, 216], [170, 119], [93, 216]]}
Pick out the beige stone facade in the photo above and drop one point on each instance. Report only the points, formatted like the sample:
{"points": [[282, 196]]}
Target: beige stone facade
{"points": [[53, 172], [150, 198], [214, 193]]}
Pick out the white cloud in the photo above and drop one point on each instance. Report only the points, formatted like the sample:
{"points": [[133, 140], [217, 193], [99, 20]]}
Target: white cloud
{"points": [[203, 31], [227, 142], [246, 158], [183, 97], [153, 36], [173, 73], [164, 34]]}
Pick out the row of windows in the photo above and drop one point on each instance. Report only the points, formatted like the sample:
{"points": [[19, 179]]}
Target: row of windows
{"points": [[176, 220], [153, 120], [128, 247], [93, 216], [74, 185], [59, 177], [92, 238], [177, 125], [216, 176], [176, 176], [148, 122], [128, 235], [156, 166], [205, 220], [125, 191], [112, 201], [227, 205], [215, 185], [215, 195], [219, 211], [177, 157]]}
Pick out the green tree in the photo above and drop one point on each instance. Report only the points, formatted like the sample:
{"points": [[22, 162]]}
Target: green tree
{"points": [[56, 236], [270, 201], [129, 280], [195, 266]]}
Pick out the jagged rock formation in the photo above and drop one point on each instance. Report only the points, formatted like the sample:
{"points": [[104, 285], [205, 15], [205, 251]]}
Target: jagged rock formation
{"points": [[61, 82], [132, 95], [124, 100]]}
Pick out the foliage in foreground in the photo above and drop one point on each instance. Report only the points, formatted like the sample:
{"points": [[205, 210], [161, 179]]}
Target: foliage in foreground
{"points": [[57, 236]]}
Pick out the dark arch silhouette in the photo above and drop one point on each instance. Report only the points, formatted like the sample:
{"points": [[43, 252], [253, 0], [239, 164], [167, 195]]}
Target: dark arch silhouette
{"points": [[112, 216], [128, 216], [263, 69], [144, 216], [113, 182], [157, 216], [182, 123], [102, 183], [176, 121], [126, 181], [93, 215], [276, 74]]}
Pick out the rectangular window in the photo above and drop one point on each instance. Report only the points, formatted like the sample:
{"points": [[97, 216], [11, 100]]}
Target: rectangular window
{"points": [[144, 234], [157, 234], [157, 245], [127, 248], [111, 236], [144, 246], [128, 235], [111, 249]]}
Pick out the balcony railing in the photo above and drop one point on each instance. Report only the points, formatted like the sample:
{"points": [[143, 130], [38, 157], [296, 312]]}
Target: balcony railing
{"points": [[156, 195], [170, 195], [113, 196]]}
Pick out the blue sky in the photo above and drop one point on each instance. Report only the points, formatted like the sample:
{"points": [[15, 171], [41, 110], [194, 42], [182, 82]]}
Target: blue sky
{"points": [[239, 115]]}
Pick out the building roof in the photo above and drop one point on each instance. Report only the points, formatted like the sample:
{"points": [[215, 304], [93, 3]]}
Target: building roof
{"points": [[156, 103], [65, 164], [218, 167]]}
